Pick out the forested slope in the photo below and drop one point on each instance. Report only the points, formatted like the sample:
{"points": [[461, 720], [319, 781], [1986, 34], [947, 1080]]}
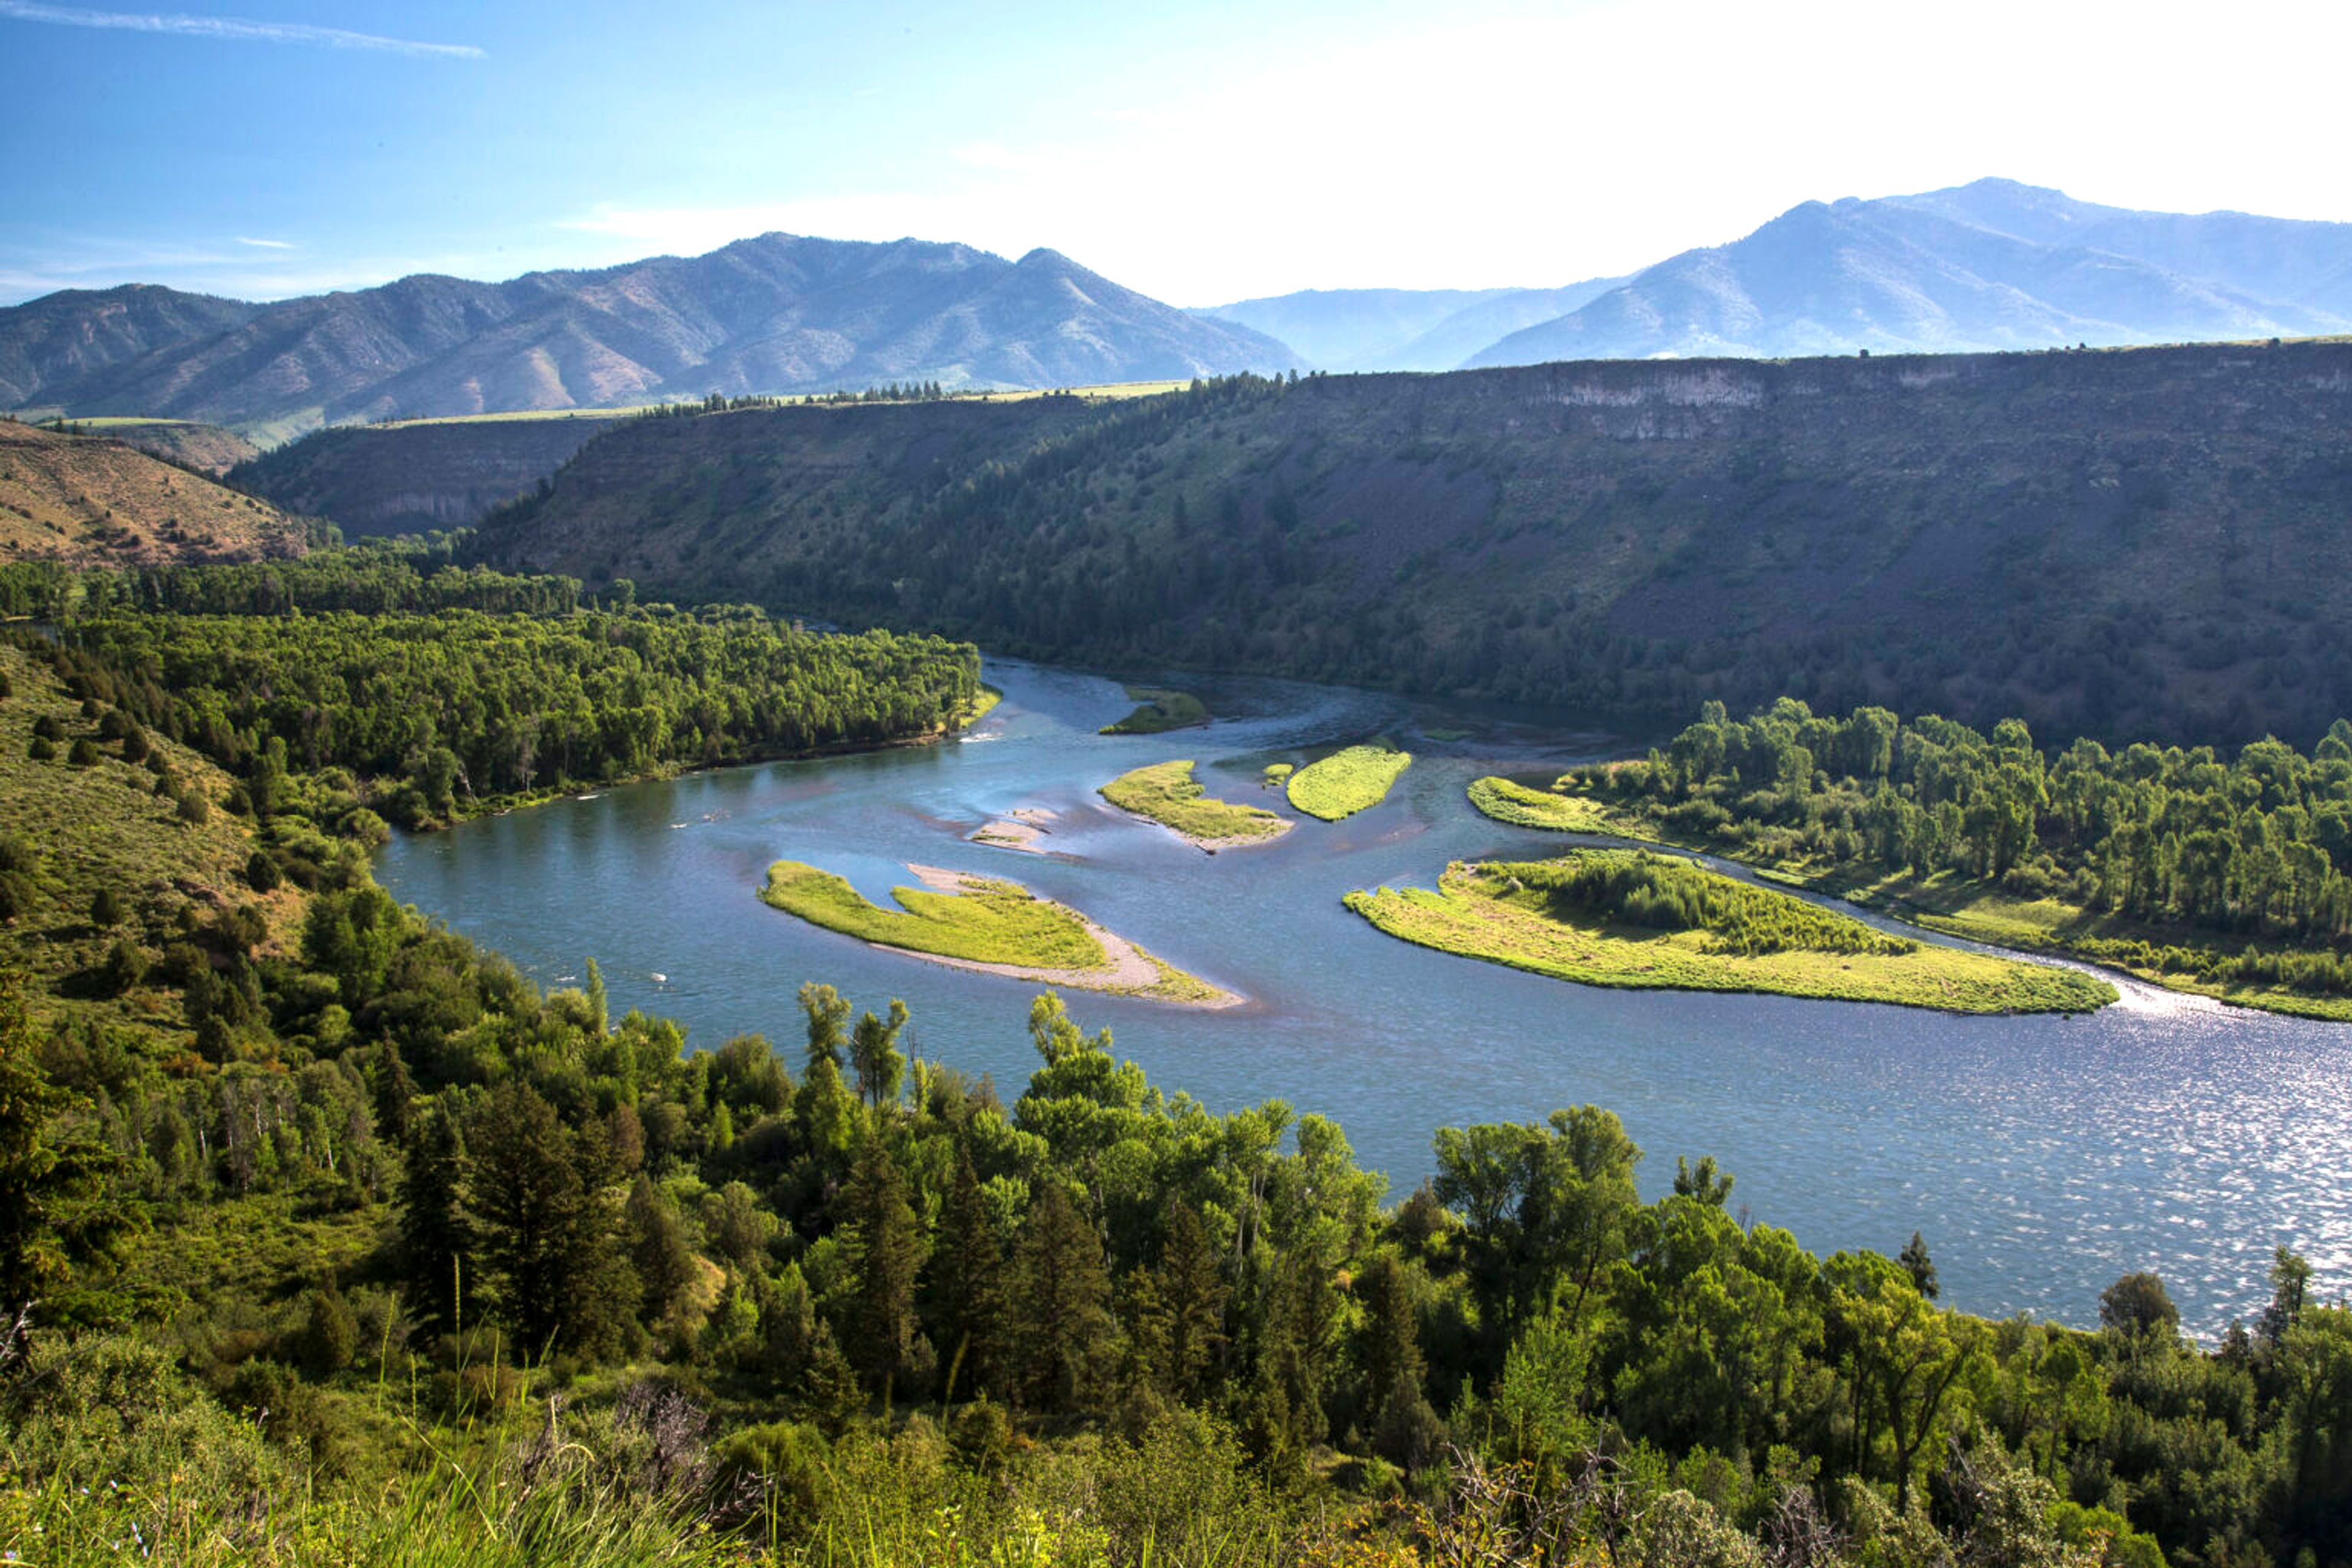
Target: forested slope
{"points": [[328, 1236], [2137, 544]]}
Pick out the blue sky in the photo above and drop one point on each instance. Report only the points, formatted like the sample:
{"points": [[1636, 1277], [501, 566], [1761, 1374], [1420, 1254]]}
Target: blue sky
{"points": [[1200, 152]]}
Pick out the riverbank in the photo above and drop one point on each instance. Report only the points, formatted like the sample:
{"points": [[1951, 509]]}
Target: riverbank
{"points": [[1943, 903], [1167, 793], [1507, 914], [988, 926]]}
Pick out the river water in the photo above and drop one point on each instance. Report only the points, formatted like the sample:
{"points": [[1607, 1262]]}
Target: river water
{"points": [[2040, 1157]]}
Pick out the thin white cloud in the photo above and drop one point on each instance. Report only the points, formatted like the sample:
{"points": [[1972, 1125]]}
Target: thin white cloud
{"points": [[232, 27], [263, 244]]}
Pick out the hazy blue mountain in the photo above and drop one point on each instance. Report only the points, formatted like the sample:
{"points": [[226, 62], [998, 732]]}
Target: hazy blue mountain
{"points": [[779, 313], [1401, 329], [1353, 328], [1993, 265]]}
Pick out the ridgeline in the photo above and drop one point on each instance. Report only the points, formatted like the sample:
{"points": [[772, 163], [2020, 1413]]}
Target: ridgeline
{"points": [[2123, 544]]}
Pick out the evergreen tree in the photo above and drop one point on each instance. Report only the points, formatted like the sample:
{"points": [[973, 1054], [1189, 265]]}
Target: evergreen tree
{"points": [[1064, 1329], [890, 1253], [55, 1205], [545, 1236], [433, 1235], [1194, 1289], [963, 1286]]}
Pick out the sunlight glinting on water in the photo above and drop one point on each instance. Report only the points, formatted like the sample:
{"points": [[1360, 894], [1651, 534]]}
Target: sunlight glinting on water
{"points": [[2040, 1157]]}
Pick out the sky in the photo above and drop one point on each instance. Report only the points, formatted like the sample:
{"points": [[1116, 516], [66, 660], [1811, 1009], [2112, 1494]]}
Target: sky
{"points": [[1201, 153]]}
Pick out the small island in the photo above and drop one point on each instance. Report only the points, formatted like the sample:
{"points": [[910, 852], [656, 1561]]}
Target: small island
{"points": [[990, 926], [1522, 806], [1168, 794], [1629, 918], [1158, 710], [1347, 781]]}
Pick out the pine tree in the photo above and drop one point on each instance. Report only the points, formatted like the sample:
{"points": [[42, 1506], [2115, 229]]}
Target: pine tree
{"points": [[889, 1254], [434, 1235], [1194, 1289], [1064, 1329], [545, 1236], [963, 1286], [1389, 1342]]}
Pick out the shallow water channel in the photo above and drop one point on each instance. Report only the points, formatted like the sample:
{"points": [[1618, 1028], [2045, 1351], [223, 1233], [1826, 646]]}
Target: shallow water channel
{"points": [[2040, 1157]]}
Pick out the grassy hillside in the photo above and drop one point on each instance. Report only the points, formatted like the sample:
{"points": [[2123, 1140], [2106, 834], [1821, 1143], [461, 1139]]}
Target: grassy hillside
{"points": [[94, 501], [2143, 542], [191, 446], [79, 823]]}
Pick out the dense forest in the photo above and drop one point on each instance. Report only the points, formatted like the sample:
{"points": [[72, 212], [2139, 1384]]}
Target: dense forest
{"points": [[442, 688], [2122, 545], [325, 1235], [2175, 860]]}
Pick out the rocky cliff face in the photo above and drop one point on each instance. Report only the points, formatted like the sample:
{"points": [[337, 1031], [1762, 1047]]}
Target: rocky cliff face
{"points": [[2141, 541], [412, 479]]}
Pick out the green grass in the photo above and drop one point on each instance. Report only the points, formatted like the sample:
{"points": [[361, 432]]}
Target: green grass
{"points": [[1345, 783], [989, 923], [1276, 775], [1522, 808], [1169, 794], [103, 827], [1158, 710], [1506, 913]]}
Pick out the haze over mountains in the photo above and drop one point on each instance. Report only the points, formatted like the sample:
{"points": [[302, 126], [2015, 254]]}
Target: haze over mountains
{"points": [[774, 314], [1990, 266]]}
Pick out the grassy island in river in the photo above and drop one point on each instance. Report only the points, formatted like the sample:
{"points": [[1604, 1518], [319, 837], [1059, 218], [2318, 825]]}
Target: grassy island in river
{"points": [[2230, 879], [1158, 710], [1346, 783], [1627, 918], [991, 925], [1169, 794]]}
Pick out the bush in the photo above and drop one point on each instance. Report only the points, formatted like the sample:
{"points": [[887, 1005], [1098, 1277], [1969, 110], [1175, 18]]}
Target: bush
{"points": [[105, 909], [194, 808], [85, 753], [43, 749], [261, 872]]}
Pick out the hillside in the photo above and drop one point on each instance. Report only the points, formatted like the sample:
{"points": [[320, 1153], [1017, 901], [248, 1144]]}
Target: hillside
{"points": [[777, 313], [207, 448], [2144, 542], [410, 479], [1992, 265], [94, 501]]}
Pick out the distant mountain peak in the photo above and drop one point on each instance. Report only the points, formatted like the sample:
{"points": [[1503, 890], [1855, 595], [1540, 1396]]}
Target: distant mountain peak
{"points": [[774, 313]]}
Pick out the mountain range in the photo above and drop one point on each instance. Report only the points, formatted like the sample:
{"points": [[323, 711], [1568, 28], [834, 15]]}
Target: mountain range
{"points": [[778, 313], [1995, 265], [1989, 266]]}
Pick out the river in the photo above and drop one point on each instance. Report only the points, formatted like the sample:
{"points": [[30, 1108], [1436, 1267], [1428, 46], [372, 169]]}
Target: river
{"points": [[2040, 1157]]}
